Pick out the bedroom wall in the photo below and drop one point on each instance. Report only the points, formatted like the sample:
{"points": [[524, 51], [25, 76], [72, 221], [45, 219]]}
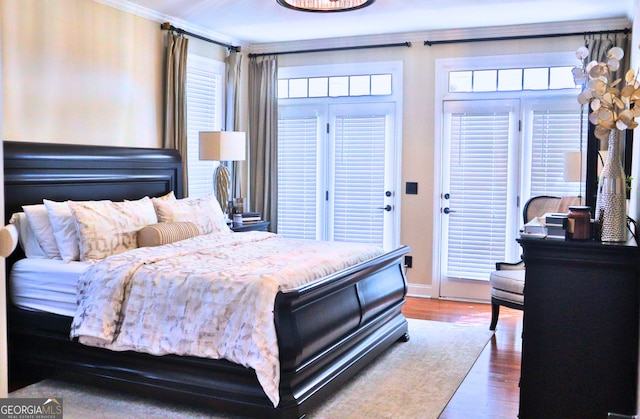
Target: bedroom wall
{"points": [[77, 71]]}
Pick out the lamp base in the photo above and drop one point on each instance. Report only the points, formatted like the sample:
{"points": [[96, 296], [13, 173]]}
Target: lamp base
{"points": [[221, 186]]}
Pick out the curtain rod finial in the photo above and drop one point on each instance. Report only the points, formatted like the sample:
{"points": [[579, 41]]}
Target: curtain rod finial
{"points": [[165, 26]]}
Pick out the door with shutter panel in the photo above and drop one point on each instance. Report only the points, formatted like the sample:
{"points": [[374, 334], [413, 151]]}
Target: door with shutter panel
{"points": [[479, 199], [361, 198], [336, 173]]}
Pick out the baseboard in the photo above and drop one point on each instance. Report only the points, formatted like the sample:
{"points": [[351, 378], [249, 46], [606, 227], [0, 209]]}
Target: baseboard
{"points": [[419, 290]]}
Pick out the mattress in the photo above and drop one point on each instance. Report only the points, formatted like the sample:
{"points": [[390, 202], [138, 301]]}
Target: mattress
{"points": [[48, 285]]}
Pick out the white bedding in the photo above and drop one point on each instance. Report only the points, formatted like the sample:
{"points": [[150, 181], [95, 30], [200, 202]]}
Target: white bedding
{"points": [[209, 296], [46, 285]]}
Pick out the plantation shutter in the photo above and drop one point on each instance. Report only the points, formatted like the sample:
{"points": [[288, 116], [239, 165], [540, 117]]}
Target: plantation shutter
{"points": [[358, 192], [204, 113], [554, 133], [297, 177], [479, 145]]}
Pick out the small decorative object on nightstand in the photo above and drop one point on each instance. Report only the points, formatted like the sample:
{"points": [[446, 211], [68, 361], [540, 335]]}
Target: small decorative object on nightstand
{"points": [[257, 226]]}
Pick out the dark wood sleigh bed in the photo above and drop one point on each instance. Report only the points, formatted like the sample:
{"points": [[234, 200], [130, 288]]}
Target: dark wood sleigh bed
{"points": [[327, 331]]}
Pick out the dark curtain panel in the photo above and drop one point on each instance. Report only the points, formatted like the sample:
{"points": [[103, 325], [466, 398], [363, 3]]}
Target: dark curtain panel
{"points": [[598, 46], [175, 104], [234, 64], [263, 137]]}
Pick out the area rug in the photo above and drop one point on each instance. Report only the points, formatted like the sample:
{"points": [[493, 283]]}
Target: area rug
{"points": [[415, 379]]}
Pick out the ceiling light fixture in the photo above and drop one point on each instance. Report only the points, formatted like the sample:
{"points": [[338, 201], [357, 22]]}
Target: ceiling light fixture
{"points": [[325, 5]]}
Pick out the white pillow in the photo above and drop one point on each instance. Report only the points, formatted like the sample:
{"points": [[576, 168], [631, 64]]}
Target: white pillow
{"points": [[26, 237], [203, 212], [64, 229], [38, 218], [143, 209], [109, 228]]}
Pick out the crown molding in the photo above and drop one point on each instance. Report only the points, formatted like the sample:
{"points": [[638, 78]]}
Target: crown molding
{"points": [[146, 13], [442, 35], [632, 10]]}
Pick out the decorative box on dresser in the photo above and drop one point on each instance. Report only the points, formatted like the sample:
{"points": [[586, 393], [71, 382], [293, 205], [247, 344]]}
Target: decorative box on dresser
{"points": [[580, 330]]}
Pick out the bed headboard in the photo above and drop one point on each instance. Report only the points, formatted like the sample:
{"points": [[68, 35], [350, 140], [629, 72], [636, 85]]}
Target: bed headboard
{"points": [[33, 171]]}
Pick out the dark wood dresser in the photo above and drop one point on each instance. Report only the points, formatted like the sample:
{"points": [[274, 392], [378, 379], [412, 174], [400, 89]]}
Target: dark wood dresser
{"points": [[580, 331]]}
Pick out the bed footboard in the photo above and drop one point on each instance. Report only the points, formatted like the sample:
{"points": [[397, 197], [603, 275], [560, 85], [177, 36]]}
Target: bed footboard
{"points": [[329, 330]]}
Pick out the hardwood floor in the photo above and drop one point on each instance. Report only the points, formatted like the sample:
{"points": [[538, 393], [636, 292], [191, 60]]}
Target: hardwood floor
{"points": [[490, 390]]}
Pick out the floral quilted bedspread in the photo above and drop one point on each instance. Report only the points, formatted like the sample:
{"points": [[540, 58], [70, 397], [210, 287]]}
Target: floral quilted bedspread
{"points": [[209, 296]]}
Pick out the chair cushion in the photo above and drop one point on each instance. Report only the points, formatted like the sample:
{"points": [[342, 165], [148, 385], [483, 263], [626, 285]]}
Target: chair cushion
{"points": [[508, 280], [507, 296]]}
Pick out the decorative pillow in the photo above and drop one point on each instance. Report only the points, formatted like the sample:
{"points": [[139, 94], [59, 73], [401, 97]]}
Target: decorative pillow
{"points": [[27, 238], [8, 240], [109, 228], [38, 218], [203, 212], [64, 229], [168, 197], [165, 233], [144, 209]]}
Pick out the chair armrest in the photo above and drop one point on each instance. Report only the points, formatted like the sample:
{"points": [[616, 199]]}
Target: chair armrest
{"points": [[506, 266]]}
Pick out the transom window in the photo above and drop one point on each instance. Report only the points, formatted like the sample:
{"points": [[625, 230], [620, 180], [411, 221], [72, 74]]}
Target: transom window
{"points": [[511, 79], [335, 86]]}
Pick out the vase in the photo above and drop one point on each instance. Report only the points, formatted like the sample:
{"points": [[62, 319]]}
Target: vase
{"points": [[611, 203]]}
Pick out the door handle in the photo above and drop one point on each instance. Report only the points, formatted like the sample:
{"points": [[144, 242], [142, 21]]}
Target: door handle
{"points": [[448, 210], [386, 208]]}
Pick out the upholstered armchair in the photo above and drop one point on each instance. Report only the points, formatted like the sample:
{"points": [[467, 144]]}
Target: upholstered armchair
{"points": [[507, 281]]}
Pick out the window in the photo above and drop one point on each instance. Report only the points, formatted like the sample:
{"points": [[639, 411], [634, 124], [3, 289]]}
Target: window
{"points": [[555, 131], [204, 91], [513, 79], [335, 86]]}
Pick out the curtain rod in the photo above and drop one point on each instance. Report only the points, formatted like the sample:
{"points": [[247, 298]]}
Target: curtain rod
{"points": [[507, 38], [304, 51], [169, 27]]}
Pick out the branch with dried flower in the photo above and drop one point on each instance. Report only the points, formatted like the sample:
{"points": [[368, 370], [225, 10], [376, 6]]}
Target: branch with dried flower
{"points": [[612, 107]]}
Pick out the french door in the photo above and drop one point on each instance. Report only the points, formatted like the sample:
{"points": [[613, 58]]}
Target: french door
{"points": [[496, 155], [479, 193], [337, 173]]}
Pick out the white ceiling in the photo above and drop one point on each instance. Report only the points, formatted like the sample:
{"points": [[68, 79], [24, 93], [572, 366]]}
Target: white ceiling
{"points": [[247, 22]]}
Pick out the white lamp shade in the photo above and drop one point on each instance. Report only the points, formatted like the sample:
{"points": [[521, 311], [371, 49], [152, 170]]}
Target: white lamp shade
{"points": [[574, 167], [222, 145]]}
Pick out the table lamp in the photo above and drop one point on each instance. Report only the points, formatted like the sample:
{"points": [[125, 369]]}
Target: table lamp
{"points": [[222, 146]]}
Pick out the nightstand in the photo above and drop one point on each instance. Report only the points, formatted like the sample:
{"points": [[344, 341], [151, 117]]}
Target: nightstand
{"points": [[259, 226]]}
